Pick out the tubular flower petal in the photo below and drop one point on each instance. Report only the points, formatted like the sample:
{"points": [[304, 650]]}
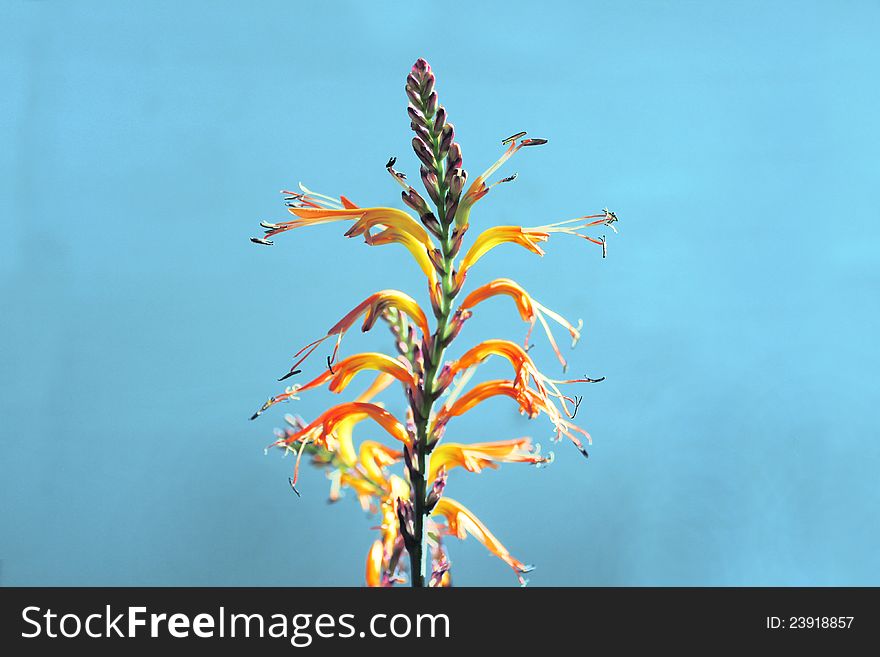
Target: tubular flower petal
{"points": [[372, 308], [376, 456], [491, 237], [374, 564], [531, 403], [461, 522], [530, 237], [322, 428], [416, 248], [529, 309], [342, 374], [345, 428], [476, 456]]}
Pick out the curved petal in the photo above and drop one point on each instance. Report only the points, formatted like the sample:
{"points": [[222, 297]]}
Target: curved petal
{"points": [[462, 522]]}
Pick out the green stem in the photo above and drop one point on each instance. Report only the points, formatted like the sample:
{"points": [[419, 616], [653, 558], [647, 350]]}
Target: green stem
{"points": [[418, 556]]}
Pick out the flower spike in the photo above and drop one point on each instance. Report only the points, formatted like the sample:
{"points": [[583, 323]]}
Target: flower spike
{"points": [[405, 483]]}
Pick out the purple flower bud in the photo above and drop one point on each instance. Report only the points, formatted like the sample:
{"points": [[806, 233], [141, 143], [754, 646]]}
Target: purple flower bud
{"points": [[431, 104], [429, 178], [412, 84], [457, 238], [453, 157], [415, 115], [446, 139], [423, 152], [458, 320], [439, 119], [412, 198], [413, 94], [420, 131], [431, 223], [437, 260], [451, 209], [421, 66], [456, 182], [436, 491]]}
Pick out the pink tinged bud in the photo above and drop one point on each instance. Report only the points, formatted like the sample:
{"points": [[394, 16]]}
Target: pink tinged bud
{"points": [[457, 324], [453, 157], [421, 66], [436, 435], [412, 84], [436, 491], [446, 139], [444, 378], [439, 119], [451, 209], [431, 223], [412, 93], [427, 83], [420, 131], [412, 198], [416, 116], [456, 181], [437, 260], [406, 515], [435, 300], [423, 152], [431, 104]]}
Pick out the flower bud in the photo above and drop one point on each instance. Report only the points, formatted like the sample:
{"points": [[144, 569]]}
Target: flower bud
{"points": [[439, 119], [453, 157], [431, 104], [416, 116], [436, 491], [446, 139], [423, 152], [414, 200]]}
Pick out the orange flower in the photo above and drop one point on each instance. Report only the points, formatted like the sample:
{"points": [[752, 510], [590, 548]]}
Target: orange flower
{"points": [[531, 403], [321, 429], [374, 564], [372, 308], [476, 456], [342, 374], [529, 238], [460, 522], [529, 309]]}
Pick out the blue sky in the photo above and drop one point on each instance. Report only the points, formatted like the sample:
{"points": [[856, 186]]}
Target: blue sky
{"points": [[735, 435]]}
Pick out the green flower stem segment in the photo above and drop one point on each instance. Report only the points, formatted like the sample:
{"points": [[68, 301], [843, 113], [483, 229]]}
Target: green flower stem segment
{"points": [[444, 178]]}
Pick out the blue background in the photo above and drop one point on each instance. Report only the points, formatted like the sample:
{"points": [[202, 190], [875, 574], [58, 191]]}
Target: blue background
{"points": [[735, 439]]}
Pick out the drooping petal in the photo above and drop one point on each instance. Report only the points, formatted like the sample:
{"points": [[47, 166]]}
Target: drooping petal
{"points": [[324, 426], [474, 457], [371, 308], [462, 522], [528, 238], [374, 564]]}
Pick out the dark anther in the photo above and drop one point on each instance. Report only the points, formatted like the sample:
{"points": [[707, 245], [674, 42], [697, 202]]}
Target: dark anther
{"points": [[289, 374], [530, 347], [587, 379], [513, 138], [508, 179], [533, 142], [293, 487], [577, 405], [260, 240], [268, 226], [391, 163], [330, 365]]}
